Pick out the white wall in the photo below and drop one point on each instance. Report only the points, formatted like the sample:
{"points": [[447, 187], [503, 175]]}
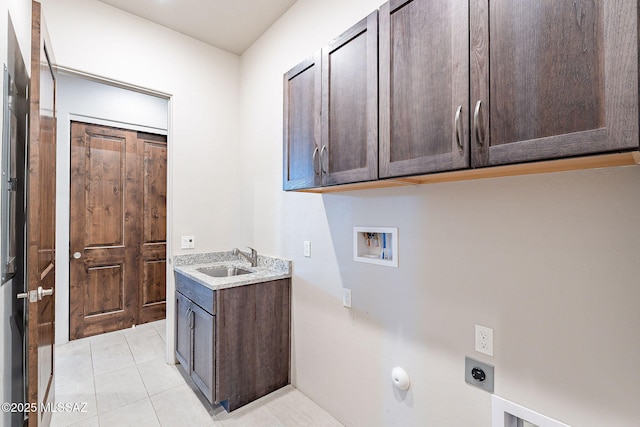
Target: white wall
{"points": [[20, 12], [203, 85], [85, 100], [550, 262]]}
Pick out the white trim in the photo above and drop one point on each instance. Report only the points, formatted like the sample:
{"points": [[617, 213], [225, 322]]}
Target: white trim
{"points": [[110, 82], [170, 322], [116, 124], [505, 414]]}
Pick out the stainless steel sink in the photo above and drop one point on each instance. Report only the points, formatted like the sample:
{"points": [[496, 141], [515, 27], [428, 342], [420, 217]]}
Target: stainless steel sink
{"points": [[223, 271]]}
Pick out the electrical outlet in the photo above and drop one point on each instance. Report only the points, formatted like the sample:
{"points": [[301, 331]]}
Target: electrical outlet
{"points": [[479, 374], [484, 340], [188, 242], [307, 249], [346, 297]]}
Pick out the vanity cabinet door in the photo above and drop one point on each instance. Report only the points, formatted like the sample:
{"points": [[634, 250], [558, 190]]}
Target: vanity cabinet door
{"points": [[203, 352], [301, 130], [424, 86], [552, 78], [253, 341], [183, 333], [349, 150]]}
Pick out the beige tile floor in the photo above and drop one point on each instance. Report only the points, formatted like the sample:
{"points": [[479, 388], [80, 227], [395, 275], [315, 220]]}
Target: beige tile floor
{"points": [[124, 381]]}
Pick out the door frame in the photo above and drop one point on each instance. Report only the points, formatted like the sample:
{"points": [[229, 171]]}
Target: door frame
{"points": [[63, 185]]}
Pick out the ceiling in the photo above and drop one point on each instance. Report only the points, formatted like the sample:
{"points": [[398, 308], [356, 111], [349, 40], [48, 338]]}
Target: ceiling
{"points": [[231, 25]]}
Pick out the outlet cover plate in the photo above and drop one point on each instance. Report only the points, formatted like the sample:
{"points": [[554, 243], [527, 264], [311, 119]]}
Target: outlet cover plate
{"points": [[471, 364], [484, 340], [346, 297]]}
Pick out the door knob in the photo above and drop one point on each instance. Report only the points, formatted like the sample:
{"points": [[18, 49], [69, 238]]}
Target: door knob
{"points": [[44, 292], [77, 255]]}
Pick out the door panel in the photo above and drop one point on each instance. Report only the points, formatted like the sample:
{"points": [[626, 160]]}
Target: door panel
{"points": [[302, 133], [104, 190], [534, 62], [559, 80], [183, 331], [118, 233], [424, 86], [203, 353], [103, 292], [40, 253], [349, 150], [152, 304], [103, 271], [154, 289]]}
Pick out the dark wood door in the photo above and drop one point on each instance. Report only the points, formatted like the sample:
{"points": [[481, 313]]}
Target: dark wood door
{"points": [[302, 132], [118, 192], [349, 151], [153, 248], [552, 79], [41, 195], [424, 86]]}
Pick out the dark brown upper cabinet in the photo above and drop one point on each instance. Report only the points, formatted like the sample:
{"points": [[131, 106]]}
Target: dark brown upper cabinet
{"points": [[552, 79], [349, 151], [302, 136], [424, 86], [331, 112]]}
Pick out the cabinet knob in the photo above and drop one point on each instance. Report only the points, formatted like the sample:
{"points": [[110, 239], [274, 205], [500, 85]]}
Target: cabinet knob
{"points": [[77, 255]]}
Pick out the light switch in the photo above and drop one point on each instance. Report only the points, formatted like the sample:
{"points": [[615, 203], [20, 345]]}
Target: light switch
{"points": [[188, 242], [307, 249]]}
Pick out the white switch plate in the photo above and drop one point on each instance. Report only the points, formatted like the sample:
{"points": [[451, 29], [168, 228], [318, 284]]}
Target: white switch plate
{"points": [[346, 297], [307, 249], [188, 242], [484, 340]]}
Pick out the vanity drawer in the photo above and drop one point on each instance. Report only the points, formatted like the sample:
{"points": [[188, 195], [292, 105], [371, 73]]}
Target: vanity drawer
{"points": [[196, 292]]}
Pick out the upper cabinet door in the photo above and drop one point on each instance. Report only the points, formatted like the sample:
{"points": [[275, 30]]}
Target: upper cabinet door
{"points": [[424, 86], [349, 150], [552, 78], [302, 92]]}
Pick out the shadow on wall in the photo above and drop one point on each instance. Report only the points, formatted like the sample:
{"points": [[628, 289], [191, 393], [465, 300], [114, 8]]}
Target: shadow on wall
{"points": [[547, 261]]}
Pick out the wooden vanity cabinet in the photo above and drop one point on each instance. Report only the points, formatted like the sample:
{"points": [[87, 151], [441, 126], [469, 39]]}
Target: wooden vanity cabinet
{"points": [[424, 86], [234, 343], [552, 79]]}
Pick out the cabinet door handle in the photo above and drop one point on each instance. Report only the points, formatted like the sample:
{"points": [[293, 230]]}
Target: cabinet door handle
{"points": [[477, 125], [458, 124], [315, 169], [189, 322], [322, 160]]}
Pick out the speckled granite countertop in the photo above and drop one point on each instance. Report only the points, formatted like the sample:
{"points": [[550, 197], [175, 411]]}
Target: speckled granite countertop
{"points": [[269, 268]]}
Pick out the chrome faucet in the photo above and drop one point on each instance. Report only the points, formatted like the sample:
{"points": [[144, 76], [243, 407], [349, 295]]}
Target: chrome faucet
{"points": [[253, 258]]}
